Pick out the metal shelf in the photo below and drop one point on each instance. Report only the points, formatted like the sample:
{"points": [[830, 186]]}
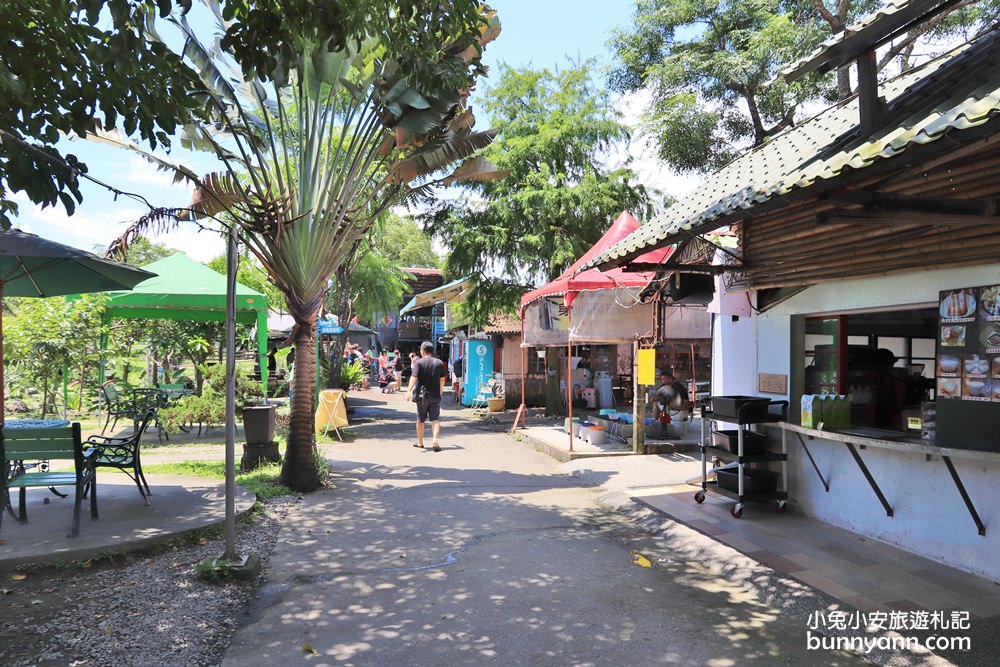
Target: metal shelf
{"points": [[751, 497], [731, 456], [743, 419]]}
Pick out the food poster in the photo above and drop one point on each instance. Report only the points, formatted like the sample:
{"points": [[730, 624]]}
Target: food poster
{"points": [[968, 360]]}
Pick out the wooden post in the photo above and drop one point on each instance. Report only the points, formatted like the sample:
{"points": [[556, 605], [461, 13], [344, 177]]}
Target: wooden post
{"points": [[521, 411], [694, 383], [552, 402], [638, 405], [569, 378]]}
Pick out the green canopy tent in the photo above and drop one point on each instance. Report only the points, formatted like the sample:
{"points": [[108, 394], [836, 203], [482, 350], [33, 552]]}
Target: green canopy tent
{"points": [[184, 289]]}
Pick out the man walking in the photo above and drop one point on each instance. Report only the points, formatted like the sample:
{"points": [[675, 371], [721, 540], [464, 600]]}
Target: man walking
{"points": [[426, 386]]}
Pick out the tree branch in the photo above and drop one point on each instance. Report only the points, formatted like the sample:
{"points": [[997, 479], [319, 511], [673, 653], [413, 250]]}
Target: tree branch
{"points": [[836, 24]]}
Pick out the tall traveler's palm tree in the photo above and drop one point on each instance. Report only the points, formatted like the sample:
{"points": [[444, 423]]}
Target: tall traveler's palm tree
{"points": [[314, 152]]}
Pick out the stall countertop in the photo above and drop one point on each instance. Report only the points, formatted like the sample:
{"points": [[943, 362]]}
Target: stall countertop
{"points": [[899, 442]]}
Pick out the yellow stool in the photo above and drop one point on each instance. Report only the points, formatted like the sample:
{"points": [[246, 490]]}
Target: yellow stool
{"points": [[331, 412]]}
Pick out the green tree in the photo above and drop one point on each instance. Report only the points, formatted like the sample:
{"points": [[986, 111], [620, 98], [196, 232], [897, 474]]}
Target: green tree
{"points": [[705, 64], [557, 199], [708, 94], [364, 287], [60, 72], [44, 336], [333, 117], [143, 252], [402, 241]]}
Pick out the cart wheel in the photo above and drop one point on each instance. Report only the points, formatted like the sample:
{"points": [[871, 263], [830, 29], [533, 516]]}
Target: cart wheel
{"points": [[699, 497], [780, 506], [737, 510]]}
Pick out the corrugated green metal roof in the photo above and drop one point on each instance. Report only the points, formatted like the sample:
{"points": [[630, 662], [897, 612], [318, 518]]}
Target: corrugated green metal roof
{"points": [[952, 93], [876, 28]]}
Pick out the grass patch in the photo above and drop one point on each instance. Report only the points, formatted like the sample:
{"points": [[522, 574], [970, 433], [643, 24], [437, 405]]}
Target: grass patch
{"points": [[263, 481]]}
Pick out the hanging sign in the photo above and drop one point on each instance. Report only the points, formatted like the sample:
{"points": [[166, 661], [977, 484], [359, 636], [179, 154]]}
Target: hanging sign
{"points": [[646, 363]]}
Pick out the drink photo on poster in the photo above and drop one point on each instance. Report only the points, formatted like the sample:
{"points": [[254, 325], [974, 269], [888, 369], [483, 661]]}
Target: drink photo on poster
{"points": [[976, 366], [949, 387], [950, 365], [974, 389]]}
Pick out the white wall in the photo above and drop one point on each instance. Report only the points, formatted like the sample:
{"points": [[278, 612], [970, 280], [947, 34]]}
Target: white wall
{"points": [[885, 292], [734, 357], [930, 517], [775, 356]]}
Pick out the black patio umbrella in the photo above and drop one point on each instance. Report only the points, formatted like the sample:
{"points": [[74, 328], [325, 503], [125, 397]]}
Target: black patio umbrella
{"points": [[35, 267]]}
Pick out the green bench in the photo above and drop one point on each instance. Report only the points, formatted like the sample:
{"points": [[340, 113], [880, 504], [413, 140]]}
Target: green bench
{"points": [[21, 445]]}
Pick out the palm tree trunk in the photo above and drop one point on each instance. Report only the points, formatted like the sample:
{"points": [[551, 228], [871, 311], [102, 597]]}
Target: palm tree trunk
{"points": [[298, 472]]}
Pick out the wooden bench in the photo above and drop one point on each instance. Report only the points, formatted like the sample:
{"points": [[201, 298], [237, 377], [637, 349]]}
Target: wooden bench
{"points": [[53, 444]]}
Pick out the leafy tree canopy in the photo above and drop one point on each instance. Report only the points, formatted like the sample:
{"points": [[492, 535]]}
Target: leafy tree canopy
{"points": [[708, 94], [401, 241], [144, 252], [705, 64], [327, 121], [559, 197], [60, 70]]}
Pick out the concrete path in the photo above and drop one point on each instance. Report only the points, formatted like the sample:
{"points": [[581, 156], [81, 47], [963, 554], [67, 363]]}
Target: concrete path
{"points": [[487, 554], [179, 505]]}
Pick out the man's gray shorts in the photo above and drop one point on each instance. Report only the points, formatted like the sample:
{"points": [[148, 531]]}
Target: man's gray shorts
{"points": [[429, 409]]}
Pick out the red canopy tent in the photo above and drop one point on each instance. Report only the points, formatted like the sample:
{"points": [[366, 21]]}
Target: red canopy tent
{"points": [[612, 314], [570, 282]]}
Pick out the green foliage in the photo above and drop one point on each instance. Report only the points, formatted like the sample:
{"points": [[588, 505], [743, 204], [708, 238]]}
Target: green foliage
{"points": [[331, 117], [377, 287], [352, 374], [210, 406], [65, 63], [42, 336], [322, 465], [143, 251], [401, 241], [558, 199], [705, 64], [212, 569], [708, 94], [263, 481]]}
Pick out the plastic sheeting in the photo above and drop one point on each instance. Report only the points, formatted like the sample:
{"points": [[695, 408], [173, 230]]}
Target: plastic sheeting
{"points": [[610, 316], [602, 316]]}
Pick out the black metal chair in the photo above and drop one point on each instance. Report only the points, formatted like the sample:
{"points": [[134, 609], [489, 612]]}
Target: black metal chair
{"points": [[117, 406], [146, 400], [123, 453]]}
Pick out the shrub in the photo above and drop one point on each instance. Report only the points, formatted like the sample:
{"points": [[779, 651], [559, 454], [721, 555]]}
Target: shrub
{"points": [[210, 407]]}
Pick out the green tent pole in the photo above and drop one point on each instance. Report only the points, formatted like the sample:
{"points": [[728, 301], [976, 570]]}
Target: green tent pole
{"points": [[319, 379], [65, 383], [262, 349], [102, 348]]}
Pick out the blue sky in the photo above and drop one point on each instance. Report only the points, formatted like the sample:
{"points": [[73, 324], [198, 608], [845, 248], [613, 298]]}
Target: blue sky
{"points": [[541, 33]]}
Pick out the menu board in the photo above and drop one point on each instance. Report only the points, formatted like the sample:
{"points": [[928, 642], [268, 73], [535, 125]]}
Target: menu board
{"points": [[968, 359]]}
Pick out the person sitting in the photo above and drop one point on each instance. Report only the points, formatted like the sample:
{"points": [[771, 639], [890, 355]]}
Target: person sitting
{"points": [[670, 395]]}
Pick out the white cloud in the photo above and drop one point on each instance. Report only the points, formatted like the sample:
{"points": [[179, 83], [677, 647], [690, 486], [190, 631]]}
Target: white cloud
{"points": [[651, 170], [140, 172], [94, 226]]}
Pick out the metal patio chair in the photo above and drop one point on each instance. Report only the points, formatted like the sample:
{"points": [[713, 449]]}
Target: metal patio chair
{"points": [[123, 454]]}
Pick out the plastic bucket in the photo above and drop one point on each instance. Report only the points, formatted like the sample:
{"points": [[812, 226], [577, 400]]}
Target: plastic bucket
{"points": [[597, 435]]}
